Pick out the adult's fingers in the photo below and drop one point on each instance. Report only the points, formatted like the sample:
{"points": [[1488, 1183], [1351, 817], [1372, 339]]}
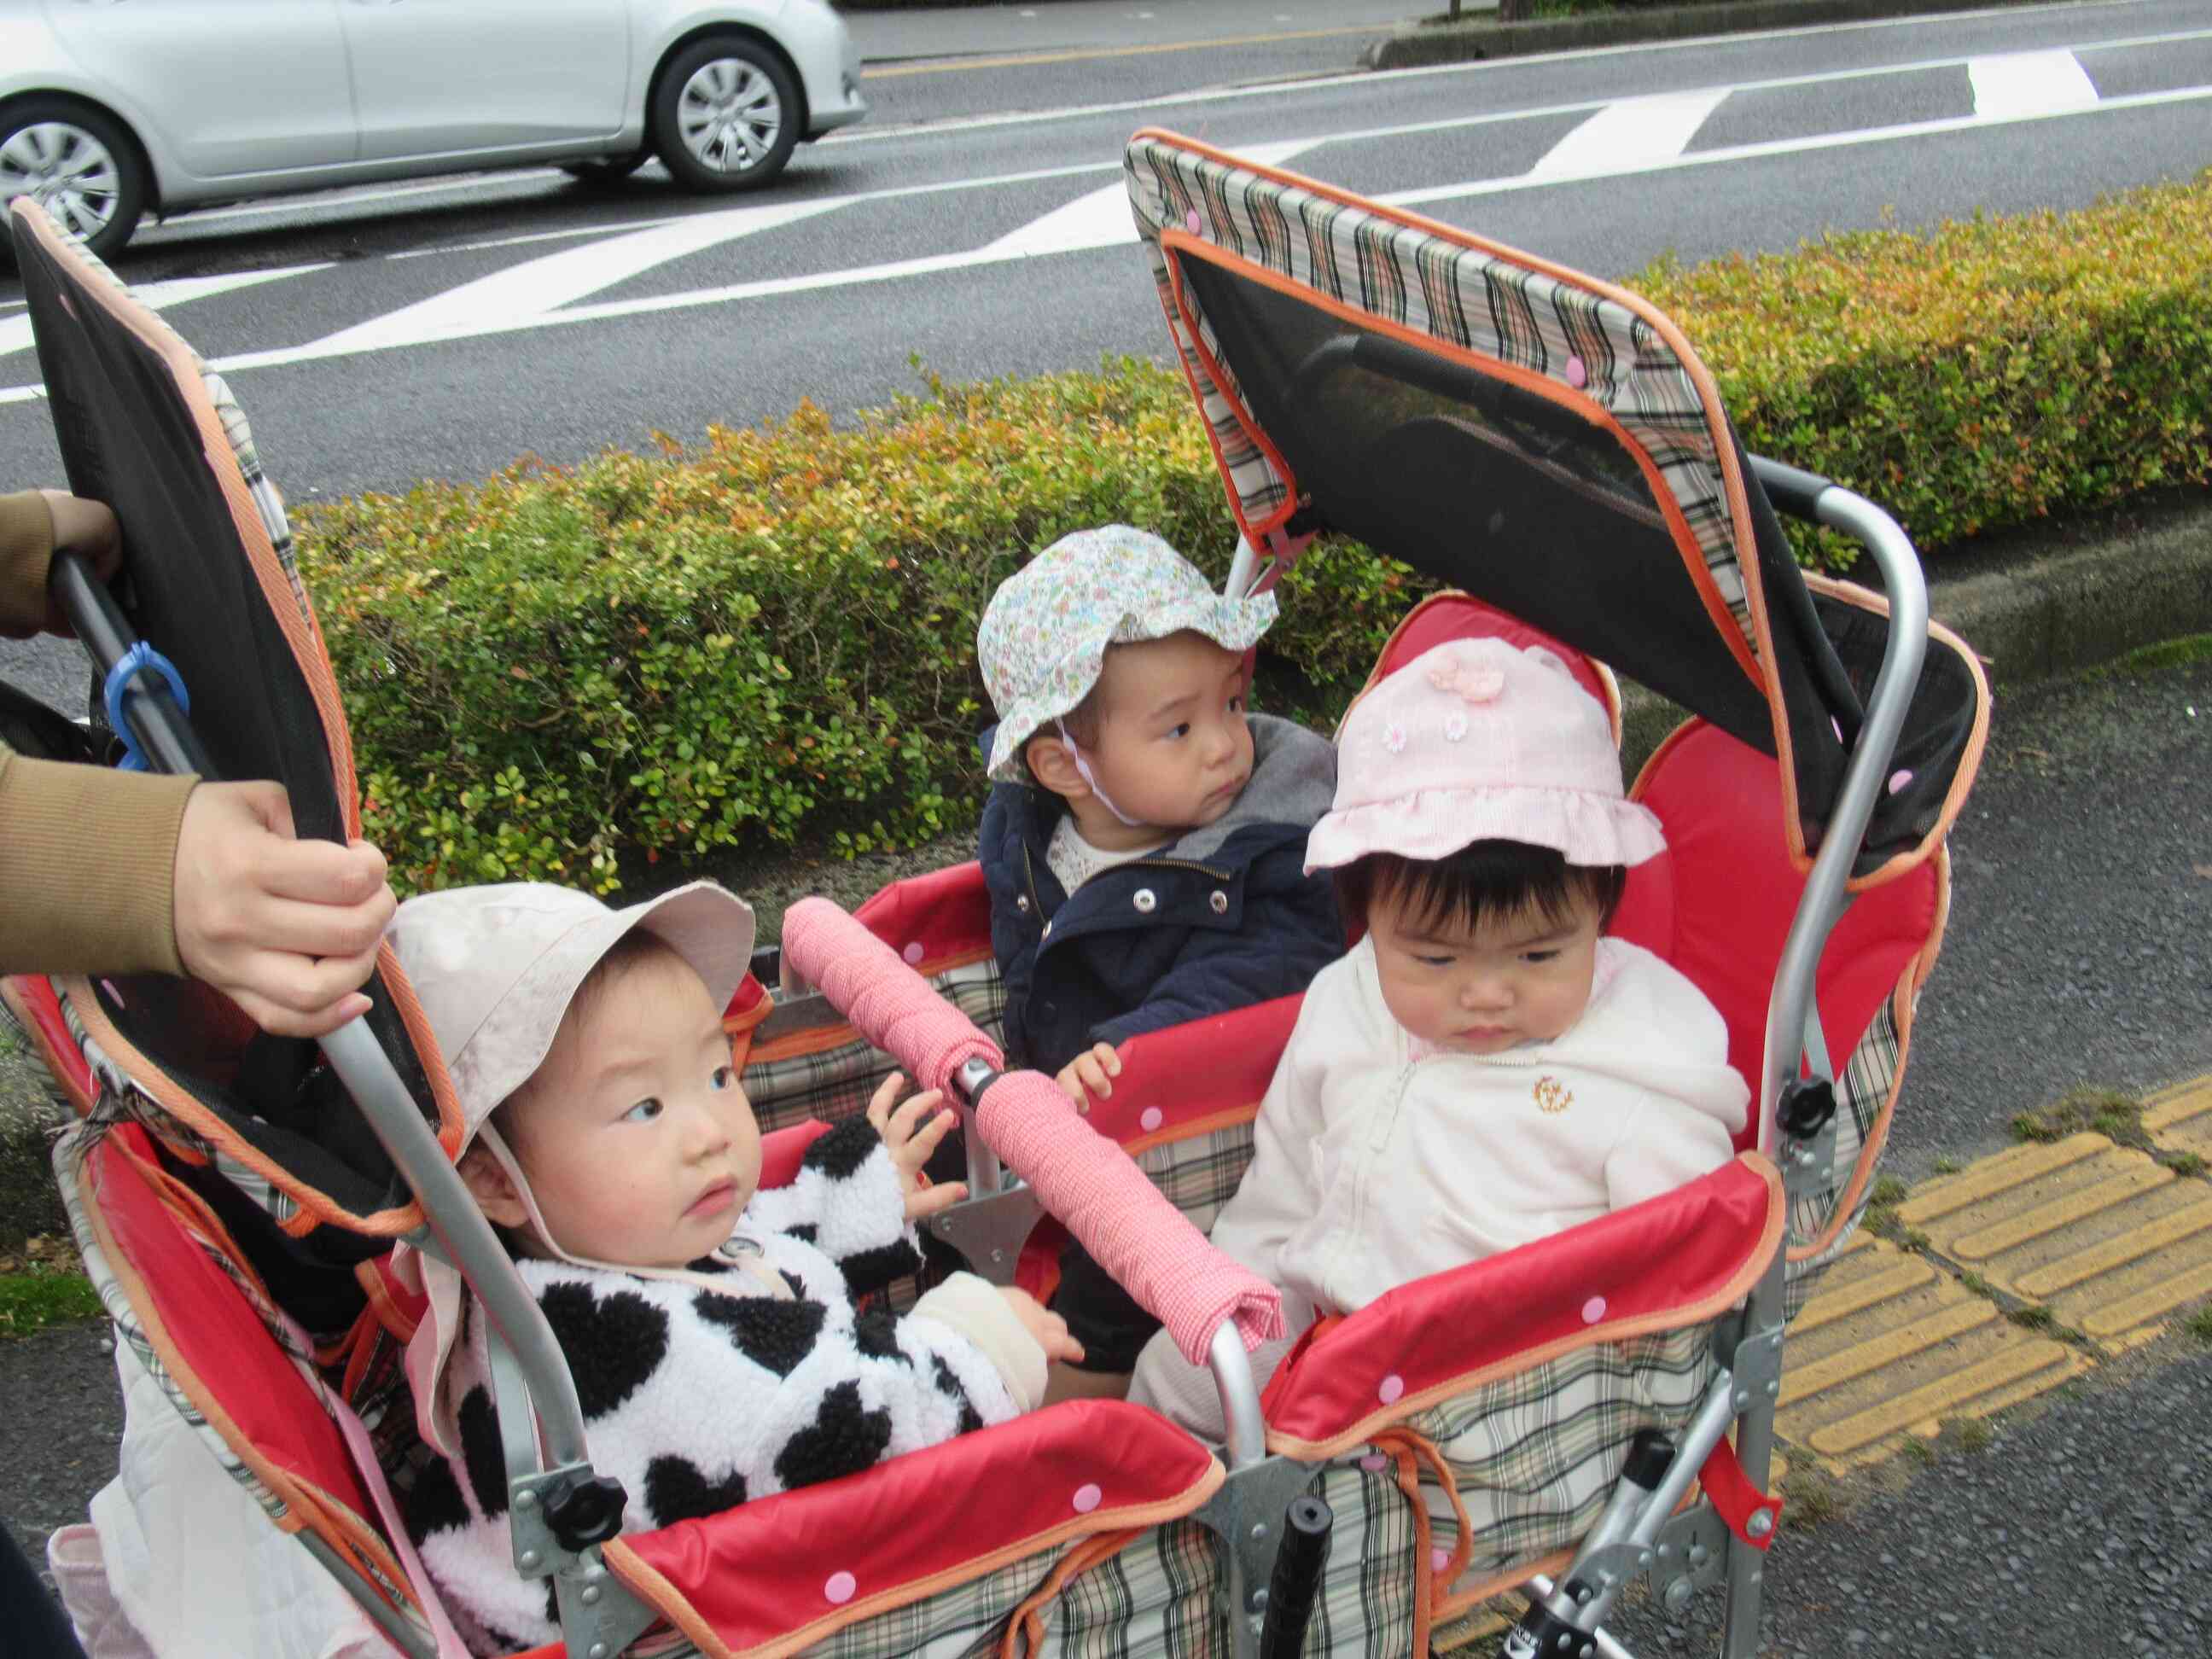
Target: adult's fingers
{"points": [[280, 1021], [315, 872]]}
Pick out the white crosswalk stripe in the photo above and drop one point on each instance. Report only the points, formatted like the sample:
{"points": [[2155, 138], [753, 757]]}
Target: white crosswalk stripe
{"points": [[16, 331], [581, 284], [2028, 83]]}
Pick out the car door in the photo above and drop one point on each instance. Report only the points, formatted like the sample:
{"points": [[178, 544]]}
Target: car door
{"points": [[436, 77], [231, 86]]}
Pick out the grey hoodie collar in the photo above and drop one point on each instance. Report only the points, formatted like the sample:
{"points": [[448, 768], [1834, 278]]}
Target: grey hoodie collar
{"points": [[1293, 782]]}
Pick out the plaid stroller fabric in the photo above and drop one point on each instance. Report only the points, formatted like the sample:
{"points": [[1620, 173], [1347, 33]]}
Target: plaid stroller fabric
{"points": [[1555, 325]]}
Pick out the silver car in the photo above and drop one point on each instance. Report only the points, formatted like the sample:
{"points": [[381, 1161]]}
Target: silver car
{"points": [[110, 109]]}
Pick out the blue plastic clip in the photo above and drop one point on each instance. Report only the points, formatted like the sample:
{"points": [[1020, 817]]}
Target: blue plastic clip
{"points": [[137, 661]]}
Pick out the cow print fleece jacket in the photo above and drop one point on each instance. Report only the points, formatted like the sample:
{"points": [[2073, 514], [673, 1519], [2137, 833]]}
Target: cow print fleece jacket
{"points": [[753, 1376]]}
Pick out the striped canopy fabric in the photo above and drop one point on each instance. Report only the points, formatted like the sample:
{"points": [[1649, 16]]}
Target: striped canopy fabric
{"points": [[1546, 441], [1590, 341]]}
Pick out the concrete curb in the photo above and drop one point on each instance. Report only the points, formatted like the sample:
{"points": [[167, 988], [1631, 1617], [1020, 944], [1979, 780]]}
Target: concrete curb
{"points": [[2033, 605], [1419, 45]]}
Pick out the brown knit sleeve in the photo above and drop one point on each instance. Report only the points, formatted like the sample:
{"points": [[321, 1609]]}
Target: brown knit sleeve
{"points": [[64, 909], [26, 553]]}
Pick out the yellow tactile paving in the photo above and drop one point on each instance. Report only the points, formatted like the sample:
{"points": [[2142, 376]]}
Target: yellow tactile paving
{"points": [[1892, 1344], [2179, 1119], [2104, 1237]]}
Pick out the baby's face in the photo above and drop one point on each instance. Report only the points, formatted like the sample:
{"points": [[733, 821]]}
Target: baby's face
{"points": [[1484, 990], [639, 1145], [1173, 749]]}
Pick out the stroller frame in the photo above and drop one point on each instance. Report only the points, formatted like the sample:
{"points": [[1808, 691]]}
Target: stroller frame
{"points": [[562, 1512]]}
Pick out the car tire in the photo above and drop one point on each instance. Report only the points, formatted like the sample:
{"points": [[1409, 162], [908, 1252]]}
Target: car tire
{"points": [[605, 172], [80, 164], [726, 114]]}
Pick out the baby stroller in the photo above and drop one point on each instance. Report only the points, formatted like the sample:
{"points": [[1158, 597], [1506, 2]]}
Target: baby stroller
{"points": [[1538, 1418]]}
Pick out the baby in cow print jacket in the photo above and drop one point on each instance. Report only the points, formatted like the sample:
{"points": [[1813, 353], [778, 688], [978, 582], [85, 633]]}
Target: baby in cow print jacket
{"points": [[710, 1327]]}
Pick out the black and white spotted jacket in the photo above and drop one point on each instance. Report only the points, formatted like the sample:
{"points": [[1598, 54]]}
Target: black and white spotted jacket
{"points": [[698, 1395]]}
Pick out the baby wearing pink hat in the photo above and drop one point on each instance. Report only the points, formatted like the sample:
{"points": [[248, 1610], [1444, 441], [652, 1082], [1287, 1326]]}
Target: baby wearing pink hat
{"points": [[1485, 1068]]}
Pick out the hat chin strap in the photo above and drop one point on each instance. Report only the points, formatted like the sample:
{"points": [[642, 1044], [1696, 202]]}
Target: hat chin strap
{"points": [[1083, 770], [767, 1278]]}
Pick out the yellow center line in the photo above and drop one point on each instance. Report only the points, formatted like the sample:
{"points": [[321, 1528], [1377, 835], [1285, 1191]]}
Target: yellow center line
{"points": [[1016, 60]]}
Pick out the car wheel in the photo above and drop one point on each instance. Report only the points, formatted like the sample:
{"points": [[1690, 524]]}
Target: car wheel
{"points": [[724, 114], [605, 172], [77, 163]]}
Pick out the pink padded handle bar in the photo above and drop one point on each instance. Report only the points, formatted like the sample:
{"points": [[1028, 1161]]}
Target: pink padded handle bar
{"points": [[1128, 1226]]}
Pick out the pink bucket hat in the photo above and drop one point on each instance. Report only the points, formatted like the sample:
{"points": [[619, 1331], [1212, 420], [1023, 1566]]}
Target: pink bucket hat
{"points": [[1477, 740]]}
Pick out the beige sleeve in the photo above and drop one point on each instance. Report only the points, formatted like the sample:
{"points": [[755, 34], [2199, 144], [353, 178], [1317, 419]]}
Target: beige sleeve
{"points": [[26, 552], [974, 1307], [87, 868]]}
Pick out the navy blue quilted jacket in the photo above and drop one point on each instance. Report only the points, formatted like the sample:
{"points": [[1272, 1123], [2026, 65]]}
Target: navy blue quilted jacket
{"points": [[1222, 919]]}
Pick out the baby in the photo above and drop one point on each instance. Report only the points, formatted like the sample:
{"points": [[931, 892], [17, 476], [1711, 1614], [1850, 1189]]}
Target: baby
{"points": [[1485, 1068], [1145, 846], [709, 1326]]}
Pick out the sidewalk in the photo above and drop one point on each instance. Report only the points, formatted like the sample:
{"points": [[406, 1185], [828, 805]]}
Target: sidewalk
{"points": [[939, 31]]}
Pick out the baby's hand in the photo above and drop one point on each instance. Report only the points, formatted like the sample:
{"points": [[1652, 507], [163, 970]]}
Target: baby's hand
{"points": [[910, 1147], [1093, 1072], [1049, 1329]]}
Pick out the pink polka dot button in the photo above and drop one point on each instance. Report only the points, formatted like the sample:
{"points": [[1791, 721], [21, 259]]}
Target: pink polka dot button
{"points": [[1374, 1462], [1192, 223], [1150, 1119], [1393, 1386], [838, 1588], [1439, 1558], [1898, 780], [1088, 1498], [1592, 1310], [912, 953], [1577, 376]]}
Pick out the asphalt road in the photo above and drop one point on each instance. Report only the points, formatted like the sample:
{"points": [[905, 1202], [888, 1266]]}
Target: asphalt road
{"points": [[442, 332]]}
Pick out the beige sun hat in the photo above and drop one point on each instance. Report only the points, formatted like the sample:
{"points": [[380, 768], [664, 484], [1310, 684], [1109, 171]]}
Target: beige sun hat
{"points": [[494, 968]]}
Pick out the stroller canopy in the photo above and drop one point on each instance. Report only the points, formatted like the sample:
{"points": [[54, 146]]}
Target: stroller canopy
{"points": [[1547, 442], [208, 583]]}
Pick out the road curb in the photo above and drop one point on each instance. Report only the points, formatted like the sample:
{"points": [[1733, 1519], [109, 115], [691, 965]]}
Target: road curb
{"points": [[1421, 45], [2036, 605]]}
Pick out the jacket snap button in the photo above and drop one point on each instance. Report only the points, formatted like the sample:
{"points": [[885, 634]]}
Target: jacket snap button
{"points": [[1144, 900], [1022, 904], [1219, 902]]}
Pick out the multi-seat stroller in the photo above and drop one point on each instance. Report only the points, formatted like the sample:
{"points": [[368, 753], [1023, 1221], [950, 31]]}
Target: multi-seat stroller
{"points": [[1566, 1418]]}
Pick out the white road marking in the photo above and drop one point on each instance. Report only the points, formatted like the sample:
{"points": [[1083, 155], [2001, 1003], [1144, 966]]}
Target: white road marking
{"points": [[538, 286], [1635, 132], [1795, 146], [1101, 218], [1381, 78], [1085, 223], [16, 331], [2030, 83]]}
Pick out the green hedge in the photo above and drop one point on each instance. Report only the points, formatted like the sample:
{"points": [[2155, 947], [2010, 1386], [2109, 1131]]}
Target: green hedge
{"points": [[563, 671]]}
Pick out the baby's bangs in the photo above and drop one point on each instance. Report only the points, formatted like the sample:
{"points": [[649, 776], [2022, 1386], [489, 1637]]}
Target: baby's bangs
{"points": [[1487, 881]]}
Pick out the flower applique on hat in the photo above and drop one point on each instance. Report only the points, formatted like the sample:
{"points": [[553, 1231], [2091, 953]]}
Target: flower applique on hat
{"points": [[1476, 740], [1042, 642]]}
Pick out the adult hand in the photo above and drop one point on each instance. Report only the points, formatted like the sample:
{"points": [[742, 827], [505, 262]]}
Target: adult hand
{"points": [[1089, 1073], [1049, 1329], [288, 929], [910, 1147], [83, 527]]}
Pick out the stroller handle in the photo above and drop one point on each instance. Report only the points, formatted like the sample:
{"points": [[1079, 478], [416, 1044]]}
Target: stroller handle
{"points": [[162, 731], [1101, 1198]]}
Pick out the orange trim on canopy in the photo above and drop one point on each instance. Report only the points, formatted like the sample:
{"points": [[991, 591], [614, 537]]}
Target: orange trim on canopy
{"points": [[1588, 410]]}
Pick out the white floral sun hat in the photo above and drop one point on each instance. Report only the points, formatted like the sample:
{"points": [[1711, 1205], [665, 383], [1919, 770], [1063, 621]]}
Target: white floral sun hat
{"points": [[1043, 641]]}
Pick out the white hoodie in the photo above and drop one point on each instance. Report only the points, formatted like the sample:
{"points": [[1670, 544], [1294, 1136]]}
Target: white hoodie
{"points": [[1372, 1168]]}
